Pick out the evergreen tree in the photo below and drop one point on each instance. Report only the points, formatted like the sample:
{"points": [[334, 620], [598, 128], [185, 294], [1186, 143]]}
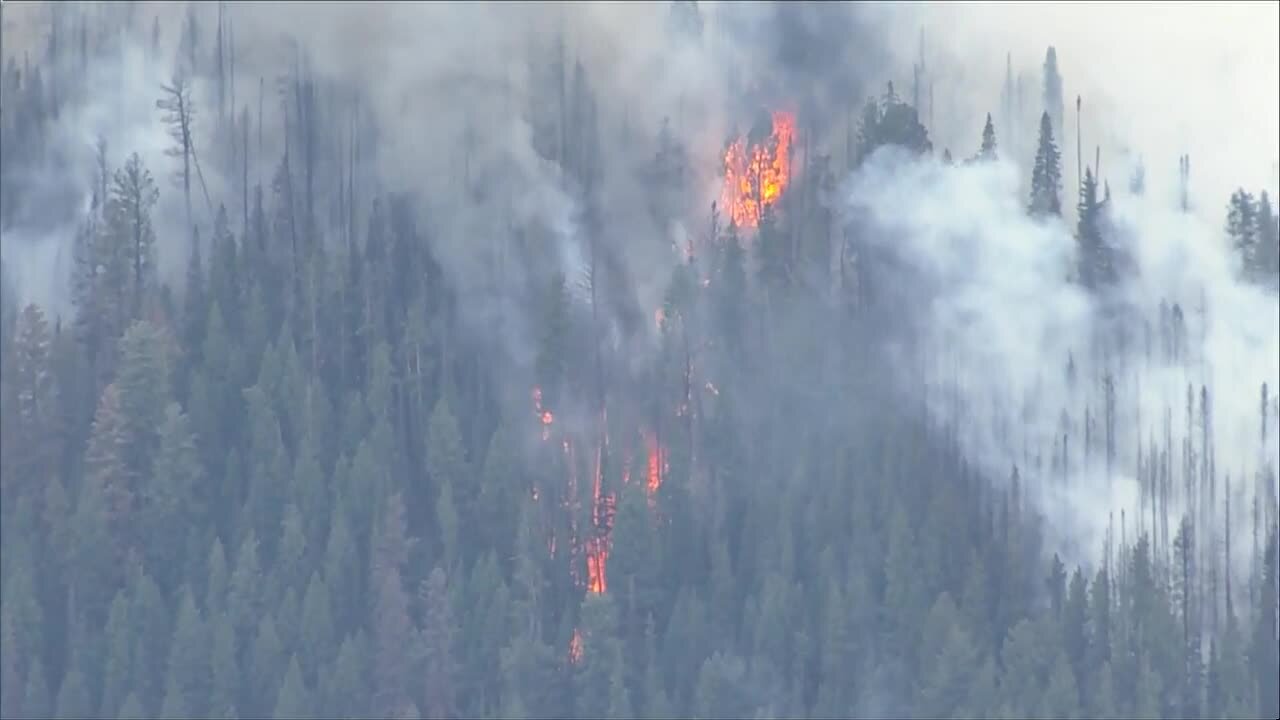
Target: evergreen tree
{"points": [[1046, 175], [447, 468], [73, 699], [224, 683], [35, 701], [1242, 227], [189, 660], [436, 652], [987, 153], [1053, 89], [132, 709], [292, 702], [1266, 256], [170, 502], [133, 196], [1097, 264], [266, 665]]}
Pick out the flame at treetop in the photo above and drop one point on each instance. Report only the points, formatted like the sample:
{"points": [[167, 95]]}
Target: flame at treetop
{"points": [[756, 174]]}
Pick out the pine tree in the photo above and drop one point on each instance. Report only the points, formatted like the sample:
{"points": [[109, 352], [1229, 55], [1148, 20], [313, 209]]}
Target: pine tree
{"points": [[215, 599], [35, 701], [600, 650], [1266, 257], [317, 641], [1053, 89], [188, 667], [170, 498], [245, 604], [266, 665], [447, 468], [721, 688], [987, 153], [33, 453], [1097, 264], [391, 630], [292, 702], [224, 684], [118, 670], [106, 469], [346, 689], [132, 709], [73, 699], [1046, 175], [174, 704], [133, 196], [436, 650], [948, 661]]}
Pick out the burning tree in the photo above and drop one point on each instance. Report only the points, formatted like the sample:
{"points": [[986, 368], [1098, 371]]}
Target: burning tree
{"points": [[757, 169]]}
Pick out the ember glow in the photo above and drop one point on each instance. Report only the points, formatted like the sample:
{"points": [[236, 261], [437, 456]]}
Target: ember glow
{"points": [[544, 416], [575, 647], [757, 174], [598, 542]]}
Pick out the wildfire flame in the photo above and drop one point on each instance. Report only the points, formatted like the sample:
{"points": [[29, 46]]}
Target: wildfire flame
{"points": [[598, 542], [597, 558], [755, 176], [595, 543], [657, 463]]}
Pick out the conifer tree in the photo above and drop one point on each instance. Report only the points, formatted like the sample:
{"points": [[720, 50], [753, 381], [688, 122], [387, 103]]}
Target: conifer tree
{"points": [[987, 152], [1046, 175]]}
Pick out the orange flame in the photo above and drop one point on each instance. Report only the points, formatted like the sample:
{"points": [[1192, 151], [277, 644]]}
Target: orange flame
{"points": [[597, 558], [756, 176], [598, 543], [657, 463]]}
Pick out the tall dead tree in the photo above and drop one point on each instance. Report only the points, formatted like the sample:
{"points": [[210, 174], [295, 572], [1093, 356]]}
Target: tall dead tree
{"points": [[180, 114]]}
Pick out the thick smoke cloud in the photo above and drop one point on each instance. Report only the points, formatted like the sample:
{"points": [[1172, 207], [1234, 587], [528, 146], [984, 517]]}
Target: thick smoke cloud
{"points": [[999, 322]]}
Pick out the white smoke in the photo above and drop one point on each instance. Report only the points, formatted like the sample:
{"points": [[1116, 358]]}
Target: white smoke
{"points": [[1001, 320]]}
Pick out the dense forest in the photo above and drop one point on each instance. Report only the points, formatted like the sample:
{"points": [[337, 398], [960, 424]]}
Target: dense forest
{"points": [[298, 442]]}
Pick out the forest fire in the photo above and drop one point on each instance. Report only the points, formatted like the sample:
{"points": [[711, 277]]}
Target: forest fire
{"points": [[594, 543], [757, 171], [657, 463], [598, 542]]}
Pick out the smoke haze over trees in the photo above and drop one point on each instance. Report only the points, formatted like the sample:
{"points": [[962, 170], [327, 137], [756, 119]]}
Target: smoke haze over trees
{"points": [[637, 360]]}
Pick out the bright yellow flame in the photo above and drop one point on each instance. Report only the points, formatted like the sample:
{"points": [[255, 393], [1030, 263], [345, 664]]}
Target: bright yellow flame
{"points": [[755, 177]]}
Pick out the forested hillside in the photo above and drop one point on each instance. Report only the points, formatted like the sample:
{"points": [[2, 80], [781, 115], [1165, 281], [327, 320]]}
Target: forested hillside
{"points": [[290, 439]]}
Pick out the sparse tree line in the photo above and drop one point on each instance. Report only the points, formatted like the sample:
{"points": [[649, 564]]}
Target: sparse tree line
{"points": [[292, 485]]}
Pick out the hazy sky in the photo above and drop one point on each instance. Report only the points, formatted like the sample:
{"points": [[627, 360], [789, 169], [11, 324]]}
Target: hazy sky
{"points": [[1166, 78]]}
